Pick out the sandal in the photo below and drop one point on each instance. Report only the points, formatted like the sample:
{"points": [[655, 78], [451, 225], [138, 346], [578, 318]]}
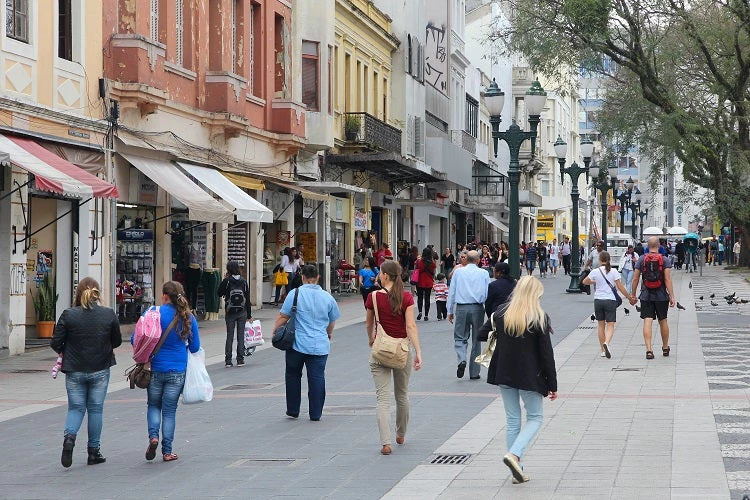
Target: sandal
{"points": [[169, 457], [649, 354], [385, 450], [665, 351], [151, 450]]}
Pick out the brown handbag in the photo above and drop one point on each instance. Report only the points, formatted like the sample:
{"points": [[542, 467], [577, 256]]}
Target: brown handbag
{"points": [[139, 375], [390, 352]]}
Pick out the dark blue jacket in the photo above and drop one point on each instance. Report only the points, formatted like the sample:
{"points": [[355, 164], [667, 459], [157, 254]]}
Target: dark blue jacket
{"points": [[498, 292]]}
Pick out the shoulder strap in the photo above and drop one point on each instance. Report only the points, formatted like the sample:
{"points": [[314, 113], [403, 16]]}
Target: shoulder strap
{"points": [[294, 303], [375, 305], [164, 334]]}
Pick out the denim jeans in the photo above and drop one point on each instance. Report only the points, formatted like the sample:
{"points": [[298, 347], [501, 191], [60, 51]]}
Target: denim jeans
{"points": [[86, 393], [518, 439], [627, 275], [469, 319], [316, 382], [163, 393], [235, 321]]}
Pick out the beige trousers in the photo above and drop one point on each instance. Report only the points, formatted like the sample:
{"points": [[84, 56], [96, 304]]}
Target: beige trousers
{"points": [[384, 388]]}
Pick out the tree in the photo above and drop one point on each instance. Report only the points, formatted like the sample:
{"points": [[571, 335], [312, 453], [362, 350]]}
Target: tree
{"points": [[679, 84]]}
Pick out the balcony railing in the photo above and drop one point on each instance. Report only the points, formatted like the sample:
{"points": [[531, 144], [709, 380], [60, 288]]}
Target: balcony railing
{"points": [[371, 131], [465, 140]]}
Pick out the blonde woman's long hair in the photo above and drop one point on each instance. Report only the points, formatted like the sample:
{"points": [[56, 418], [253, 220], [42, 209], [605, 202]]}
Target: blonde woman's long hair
{"points": [[524, 309]]}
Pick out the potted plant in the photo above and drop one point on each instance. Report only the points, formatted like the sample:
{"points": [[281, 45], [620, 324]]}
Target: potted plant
{"points": [[352, 124], [45, 300]]}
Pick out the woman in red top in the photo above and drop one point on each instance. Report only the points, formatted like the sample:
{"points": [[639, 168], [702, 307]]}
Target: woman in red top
{"points": [[396, 313], [426, 265]]}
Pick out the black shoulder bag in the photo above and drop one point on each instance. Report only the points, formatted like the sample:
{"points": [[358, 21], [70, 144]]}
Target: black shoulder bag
{"points": [[283, 337], [618, 299]]}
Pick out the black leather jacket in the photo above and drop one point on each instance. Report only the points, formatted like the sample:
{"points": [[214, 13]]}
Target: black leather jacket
{"points": [[87, 338]]}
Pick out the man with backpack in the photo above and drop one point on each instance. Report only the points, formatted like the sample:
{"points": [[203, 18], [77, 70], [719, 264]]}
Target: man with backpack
{"points": [[236, 293], [657, 294]]}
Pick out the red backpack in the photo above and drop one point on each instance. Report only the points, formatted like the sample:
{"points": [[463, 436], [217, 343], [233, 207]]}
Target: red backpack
{"points": [[653, 271]]}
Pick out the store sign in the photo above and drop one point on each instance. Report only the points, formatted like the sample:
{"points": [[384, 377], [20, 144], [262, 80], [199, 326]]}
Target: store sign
{"points": [[360, 220], [545, 222], [135, 234], [147, 190], [283, 238], [310, 243]]}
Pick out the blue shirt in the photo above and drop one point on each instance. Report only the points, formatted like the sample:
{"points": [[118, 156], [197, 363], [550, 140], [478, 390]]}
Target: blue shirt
{"points": [[468, 286], [316, 309], [173, 354], [368, 277]]}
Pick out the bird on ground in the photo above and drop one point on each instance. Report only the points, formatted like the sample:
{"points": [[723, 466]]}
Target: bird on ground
{"points": [[637, 308], [690, 285], [742, 301], [714, 303], [593, 318], [713, 295], [680, 307], [731, 300], [627, 311], [701, 297], [730, 296], [697, 308]]}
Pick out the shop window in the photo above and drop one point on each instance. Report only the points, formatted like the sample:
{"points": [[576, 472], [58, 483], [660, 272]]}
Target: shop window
{"points": [[17, 20], [310, 75]]}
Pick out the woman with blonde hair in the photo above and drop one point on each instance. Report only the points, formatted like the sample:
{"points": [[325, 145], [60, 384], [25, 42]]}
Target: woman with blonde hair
{"points": [[523, 365], [168, 369], [396, 315], [86, 336]]}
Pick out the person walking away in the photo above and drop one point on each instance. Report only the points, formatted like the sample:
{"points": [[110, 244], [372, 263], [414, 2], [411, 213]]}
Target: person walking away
{"points": [[657, 294], [523, 365], [396, 315], [714, 250], [627, 265], [721, 252], [441, 296], [466, 298], [500, 289], [541, 249], [565, 249], [426, 266], [530, 258], [315, 318], [679, 251], [736, 251], [367, 277], [86, 336], [447, 261], [604, 278], [168, 369], [236, 293]]}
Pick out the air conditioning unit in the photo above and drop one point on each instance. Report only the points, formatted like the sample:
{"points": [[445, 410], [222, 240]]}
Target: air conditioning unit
{"points": [[419, 192]]}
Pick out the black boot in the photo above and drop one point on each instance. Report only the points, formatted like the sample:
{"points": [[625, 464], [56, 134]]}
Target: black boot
{"points": [[95, 457], [67, 452]]}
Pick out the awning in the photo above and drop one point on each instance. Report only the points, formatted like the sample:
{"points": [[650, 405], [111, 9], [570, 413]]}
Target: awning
{"points": [[496, 222], [245, 181], [245, 207], [391, 167], [332, 187], [306, 193], [52, 173], [201, 205]]}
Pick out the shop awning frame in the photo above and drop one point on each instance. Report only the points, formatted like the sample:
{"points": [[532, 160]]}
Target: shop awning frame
{"points": [[332, 187], [201, 205], [246, 208], [496, 222], [306, 193]]}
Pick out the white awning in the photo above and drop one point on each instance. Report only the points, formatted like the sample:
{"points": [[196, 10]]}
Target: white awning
{"points": [[331, 187], [306, 193], [496, 222], [245, 207], [201, 205]]}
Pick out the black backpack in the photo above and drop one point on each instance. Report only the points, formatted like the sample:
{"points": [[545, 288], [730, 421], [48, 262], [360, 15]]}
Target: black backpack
{"points": [[236, 296]]}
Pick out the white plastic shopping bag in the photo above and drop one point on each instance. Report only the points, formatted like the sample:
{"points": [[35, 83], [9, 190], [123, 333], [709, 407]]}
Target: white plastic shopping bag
{"points": [[253, 334], [198, 387]]}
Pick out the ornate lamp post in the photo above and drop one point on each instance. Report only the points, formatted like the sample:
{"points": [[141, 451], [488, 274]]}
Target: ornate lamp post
{"points": [[624, 199], [642, 215], [534, 99], [606, 180], [574, 171], [635, 208]]}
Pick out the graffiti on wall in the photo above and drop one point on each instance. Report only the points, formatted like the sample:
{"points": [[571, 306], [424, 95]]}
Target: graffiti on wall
{"points": [[436, 48], [18, 279]]}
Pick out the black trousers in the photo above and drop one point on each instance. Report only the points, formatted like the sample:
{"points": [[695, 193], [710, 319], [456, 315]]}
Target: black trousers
{"points": [[235, 321], [423, 297], [192, 280], [566, 263], [442, 307]]}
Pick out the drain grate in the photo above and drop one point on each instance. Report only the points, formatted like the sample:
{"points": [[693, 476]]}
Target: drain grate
{"points": [[458, 459], [586, 327], [267, 462], [627, 369], [29, 370], [246, 387]]}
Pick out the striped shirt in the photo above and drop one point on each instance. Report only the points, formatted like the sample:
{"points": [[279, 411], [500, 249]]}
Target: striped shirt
{"points": [[441, 291]]}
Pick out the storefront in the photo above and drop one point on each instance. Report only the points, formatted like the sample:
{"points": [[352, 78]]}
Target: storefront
{"points": [[340, 245]]}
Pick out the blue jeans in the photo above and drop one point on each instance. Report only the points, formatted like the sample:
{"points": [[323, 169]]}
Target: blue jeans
{"points": [[469, 318], [163, 393], [627, 275], [86, 393], [316, 382], [518, 439]]}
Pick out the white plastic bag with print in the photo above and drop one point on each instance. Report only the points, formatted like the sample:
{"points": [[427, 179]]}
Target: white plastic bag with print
{"points": [[198, 387], [253, 334]]}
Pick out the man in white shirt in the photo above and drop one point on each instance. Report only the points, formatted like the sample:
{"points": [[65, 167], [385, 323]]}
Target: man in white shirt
{"points": [[592, 261], [736, 251]]}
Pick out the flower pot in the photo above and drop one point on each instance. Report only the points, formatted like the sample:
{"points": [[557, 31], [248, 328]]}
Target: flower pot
{"points": [[44, 329], [351, 135]]}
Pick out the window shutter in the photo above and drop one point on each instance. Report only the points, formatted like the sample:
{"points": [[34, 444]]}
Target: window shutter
{"points": [[419, 137], [407, 55], [410, 136], [179, 33], [310, 75], [420, 63], [154, 18]]}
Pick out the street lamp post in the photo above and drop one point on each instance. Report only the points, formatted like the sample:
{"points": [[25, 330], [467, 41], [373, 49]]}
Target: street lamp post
{"points": [[624, 198], [635, 207], [606, 180], [642, 216], [534, 99], [574, 171]]}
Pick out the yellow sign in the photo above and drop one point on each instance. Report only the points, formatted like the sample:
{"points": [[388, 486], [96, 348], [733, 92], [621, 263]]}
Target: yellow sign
{"points": [[309, 240]]}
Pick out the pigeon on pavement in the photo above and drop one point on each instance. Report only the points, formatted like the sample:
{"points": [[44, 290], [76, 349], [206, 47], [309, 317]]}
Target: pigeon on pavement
{"points": [[714, 303], [690, 285], [713, 295], [680, 307], [701, 297], [637, 308], [593, 318], [730, 296], [627, 311]]}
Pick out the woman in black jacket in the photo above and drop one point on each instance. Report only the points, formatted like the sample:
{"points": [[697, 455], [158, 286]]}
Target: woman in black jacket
{"points": [[86, 335], [523, 365]]}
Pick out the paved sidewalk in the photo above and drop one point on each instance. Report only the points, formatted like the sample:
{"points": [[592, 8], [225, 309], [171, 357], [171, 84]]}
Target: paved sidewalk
{"points": [[622, 428], [26, 386]]}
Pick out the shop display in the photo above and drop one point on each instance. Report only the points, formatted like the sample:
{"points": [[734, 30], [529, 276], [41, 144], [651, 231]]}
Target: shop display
{"points": [[135, 271], [237, 244]]}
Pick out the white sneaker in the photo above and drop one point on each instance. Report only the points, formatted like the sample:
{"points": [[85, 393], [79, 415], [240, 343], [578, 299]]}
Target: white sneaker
{"points": [[602, 355]]}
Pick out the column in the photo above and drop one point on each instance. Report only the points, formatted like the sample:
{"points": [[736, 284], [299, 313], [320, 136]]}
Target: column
{"points": [[15, 321]]}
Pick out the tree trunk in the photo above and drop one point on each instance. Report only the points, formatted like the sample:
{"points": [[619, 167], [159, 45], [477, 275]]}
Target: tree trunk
{"points": [[744, 245]]}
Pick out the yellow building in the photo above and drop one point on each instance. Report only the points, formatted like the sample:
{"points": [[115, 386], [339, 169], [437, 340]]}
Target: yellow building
{"points": [[55, 222]]}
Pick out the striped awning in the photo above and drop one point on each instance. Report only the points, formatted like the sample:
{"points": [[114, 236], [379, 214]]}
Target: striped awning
{"points": [[52, 173]]}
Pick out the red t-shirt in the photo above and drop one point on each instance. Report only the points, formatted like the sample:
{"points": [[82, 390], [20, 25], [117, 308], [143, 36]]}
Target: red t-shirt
{"points": [[393, 324], [426, 274]]}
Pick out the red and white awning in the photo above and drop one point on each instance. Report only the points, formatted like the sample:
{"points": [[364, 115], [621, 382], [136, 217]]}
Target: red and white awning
{"points": [[53, 173]]}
